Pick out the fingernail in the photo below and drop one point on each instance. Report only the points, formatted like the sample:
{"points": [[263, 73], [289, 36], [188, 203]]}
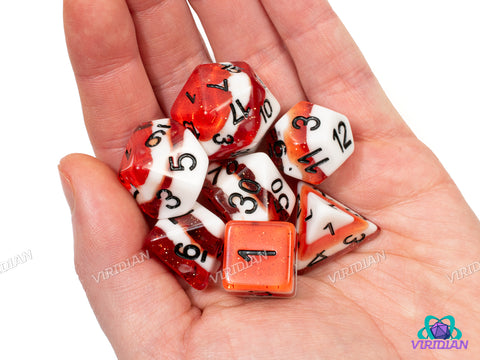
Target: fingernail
{"points": [[67, 188]]}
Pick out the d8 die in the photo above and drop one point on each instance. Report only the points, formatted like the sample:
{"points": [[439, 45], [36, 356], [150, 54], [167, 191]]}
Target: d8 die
{"points": [[189, 244], [163, 167], [325, 227], [310, 142], [227, 107], [249, 188], [259, 258]]}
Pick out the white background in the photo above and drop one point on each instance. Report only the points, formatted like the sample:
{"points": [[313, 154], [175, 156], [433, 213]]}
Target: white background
{"points": [[424, 52]]}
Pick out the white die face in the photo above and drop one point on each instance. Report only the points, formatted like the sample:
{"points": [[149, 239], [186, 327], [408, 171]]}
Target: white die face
{"points": [[184, 162], [323, 217], [246, 185], [326, 227], [317, 140], [335, 138], [268, 113]]}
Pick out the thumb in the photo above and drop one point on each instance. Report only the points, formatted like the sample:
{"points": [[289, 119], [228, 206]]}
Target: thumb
{"points": [[135, 298]]}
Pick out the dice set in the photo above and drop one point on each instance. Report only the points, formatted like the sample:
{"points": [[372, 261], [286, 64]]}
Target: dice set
{"points": [[211, 194]]}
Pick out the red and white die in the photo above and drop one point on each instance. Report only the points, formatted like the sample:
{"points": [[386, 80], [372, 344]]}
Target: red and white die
{"points": [[310, 142], [227, 107], [163, 167]]}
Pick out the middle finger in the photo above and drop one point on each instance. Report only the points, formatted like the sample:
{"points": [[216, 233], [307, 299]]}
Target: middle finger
{"points": [[240, 30], [170, 45]]}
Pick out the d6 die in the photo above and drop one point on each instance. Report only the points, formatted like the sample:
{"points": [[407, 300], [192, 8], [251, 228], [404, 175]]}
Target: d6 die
{"points": [[189, 244], [259, 258], [227, 107], [163, 167], [248, 188], [310, 142], [325, 227]]}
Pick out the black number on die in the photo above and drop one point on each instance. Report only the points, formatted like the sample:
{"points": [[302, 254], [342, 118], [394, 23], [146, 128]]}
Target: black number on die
{"points": [[156, 137], [173, 219], [169, 196], [231, 170], [185, 255], [242, 201], [266, 111], [245, 112], [311, 168], [277, 186], [190, 126], [226, 140], [346, 241], [329, 226], [217, 172], [180, 166], [232, 68], [342, 128], [249, 186], [280, 207], [190, 97], [278, 149], [223, 87], [319, 257], [305, 121]]}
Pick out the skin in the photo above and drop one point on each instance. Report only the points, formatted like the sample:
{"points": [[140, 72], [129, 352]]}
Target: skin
{"points": [[130, 60]]}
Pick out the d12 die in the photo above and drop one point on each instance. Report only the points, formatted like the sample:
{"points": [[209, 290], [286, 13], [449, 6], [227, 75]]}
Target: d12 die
{"points": [[310, 142], [189, 244], [259, 258], [248, 188], [325, 227], [227, 107], [163, 167]]}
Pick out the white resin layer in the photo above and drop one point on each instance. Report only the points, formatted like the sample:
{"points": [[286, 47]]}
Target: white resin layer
{"points": [[186, 184], [323, 138]]}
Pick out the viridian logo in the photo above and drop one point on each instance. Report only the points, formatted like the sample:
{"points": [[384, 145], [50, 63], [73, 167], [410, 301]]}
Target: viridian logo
{"points": [[439, 334]]}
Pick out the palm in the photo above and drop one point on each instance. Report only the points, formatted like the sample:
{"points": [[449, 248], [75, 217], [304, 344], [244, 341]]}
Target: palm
{"points": [[427, 230]]}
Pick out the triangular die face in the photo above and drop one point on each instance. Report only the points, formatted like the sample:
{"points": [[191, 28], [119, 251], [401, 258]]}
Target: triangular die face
{"points": [[323, 223], [322, 219]]}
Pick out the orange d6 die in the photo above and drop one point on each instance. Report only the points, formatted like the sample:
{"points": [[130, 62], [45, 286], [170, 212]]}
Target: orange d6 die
{"points": [[260, 258]]}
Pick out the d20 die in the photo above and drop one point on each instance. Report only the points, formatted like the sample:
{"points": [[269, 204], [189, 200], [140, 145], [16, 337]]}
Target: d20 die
{"points": [[249, 188], [163, 167], [189, 244], [259, 258], [310, 142], [227, 107], [326, 228]]}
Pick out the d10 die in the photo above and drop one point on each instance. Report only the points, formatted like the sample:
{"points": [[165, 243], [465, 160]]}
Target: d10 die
{"points": [[249, 188], [227, 107], [326, 228], [259, 258], [163, 167], [310, 142], [189, 244]]}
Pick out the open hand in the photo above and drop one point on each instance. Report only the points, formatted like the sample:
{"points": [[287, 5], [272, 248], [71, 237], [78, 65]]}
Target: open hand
{"points": [[131, 58]]}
